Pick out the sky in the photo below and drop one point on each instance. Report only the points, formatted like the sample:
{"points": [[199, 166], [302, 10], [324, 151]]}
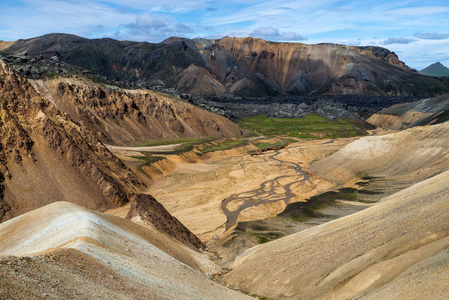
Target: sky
{"points": [[417, 31]]}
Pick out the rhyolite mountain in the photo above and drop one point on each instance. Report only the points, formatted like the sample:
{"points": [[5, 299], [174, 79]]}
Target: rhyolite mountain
{"points": [[237, 66], [437, 70], [46, 157]]}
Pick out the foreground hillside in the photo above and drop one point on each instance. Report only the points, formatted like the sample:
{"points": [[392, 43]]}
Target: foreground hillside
{"points": [[234, 66], [52, 133], [394, 249], [64, 251]]}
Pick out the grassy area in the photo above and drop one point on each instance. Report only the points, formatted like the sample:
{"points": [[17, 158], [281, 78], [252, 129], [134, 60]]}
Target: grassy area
{"points": [[169, 142], [302, 211], [148, 159], [311, 126], [227, 144], [279, 143], [265, 237]]}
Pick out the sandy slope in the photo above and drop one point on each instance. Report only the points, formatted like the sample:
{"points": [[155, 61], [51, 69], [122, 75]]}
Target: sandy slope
{"points": [[412, 154], [364, 252], [417, 113], [144, 259]]}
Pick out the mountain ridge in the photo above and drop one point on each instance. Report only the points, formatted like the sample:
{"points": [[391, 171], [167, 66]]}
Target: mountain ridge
{"points": [[237, 66]]}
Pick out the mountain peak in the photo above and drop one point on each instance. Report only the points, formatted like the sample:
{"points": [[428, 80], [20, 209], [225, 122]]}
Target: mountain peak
{"points": [[436, 69]]}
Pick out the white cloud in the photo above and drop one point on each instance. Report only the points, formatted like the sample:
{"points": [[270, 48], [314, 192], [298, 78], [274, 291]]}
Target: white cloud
{"points": [[273, 34], [399, 40], [163, 6], [147, 20], [432, 35], [420, 11], [153, 28]]}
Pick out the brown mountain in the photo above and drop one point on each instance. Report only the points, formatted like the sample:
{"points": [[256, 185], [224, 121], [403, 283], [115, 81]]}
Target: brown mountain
{"points": [[238, 66], [120, 116], [46, 157]]}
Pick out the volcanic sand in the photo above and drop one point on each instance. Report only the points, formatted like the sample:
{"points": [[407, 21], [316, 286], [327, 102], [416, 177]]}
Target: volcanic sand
{"points": [[255, 185]]}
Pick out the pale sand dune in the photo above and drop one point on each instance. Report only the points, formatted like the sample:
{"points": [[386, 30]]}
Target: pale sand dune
{"points": [[158, 264]]}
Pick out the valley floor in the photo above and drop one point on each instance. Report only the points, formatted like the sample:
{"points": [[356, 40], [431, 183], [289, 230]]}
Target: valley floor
{"points": [[230, 199]]}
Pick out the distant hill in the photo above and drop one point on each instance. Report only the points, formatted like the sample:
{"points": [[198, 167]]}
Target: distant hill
{"points": [[246, 67], [437, 70], [418, 113]]}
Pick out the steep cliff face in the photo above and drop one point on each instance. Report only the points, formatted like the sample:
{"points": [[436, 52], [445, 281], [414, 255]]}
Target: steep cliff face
{"points": [[238, 66], [46, 157], [323, 68], [120, 116]]}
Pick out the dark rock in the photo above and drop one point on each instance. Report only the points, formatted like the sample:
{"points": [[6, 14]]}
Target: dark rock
{"points": [[146, 207]]}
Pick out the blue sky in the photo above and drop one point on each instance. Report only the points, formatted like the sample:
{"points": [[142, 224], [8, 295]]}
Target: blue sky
{"points": [[418, 31]]}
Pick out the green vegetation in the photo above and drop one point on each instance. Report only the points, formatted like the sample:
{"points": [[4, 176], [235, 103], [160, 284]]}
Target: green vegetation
{"points": [[168, 142], [265, 237], [302, 211], [145, 160], [311, 126], [227, 144], [148, 159], [279, 143]]}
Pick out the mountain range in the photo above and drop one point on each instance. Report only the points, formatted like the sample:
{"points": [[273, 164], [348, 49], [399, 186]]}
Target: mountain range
{"points": [[236, 66]]}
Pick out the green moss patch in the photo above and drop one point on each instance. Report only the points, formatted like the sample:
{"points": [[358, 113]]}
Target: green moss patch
{"points": [[309, 127]]}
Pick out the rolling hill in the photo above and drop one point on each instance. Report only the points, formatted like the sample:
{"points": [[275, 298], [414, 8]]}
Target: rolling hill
{"points": [[405, 115], [397, 248]]}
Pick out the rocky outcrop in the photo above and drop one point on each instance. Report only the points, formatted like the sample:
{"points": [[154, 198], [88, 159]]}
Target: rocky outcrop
{"points": [[381, 54], [46, 157], [238, 66], [292, 106], [148, 209]]}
